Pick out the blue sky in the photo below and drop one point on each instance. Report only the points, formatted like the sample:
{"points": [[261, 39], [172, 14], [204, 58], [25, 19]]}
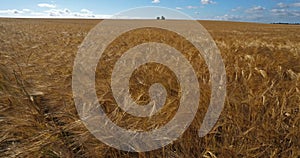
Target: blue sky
{"points": [[232, 10]]}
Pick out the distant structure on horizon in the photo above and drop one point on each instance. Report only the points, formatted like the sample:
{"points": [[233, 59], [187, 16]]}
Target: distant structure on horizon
{"points": [[160, 18]]}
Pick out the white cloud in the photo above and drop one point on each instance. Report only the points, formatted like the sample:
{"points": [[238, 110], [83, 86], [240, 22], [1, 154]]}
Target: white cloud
{"points": [[191, 7], [259, 8], [68, 13], [155, 1], [51, 13], [285, 13], [11, 11], [295, 13], [256, 9], [207, 2], [236, 9], [295, 5], [279, 12], [46, 5], [26, 10], [178, 8], [228, 17], [282, 5], [250, 18], [86, 11], [197, 13]]}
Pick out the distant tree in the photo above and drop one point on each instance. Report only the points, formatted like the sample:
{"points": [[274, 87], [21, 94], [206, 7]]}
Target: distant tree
{"points": [[163, 18], [158, 18]]}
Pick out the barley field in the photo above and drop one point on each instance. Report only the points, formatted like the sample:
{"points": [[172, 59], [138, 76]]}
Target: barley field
{"points": [[38, 118]]}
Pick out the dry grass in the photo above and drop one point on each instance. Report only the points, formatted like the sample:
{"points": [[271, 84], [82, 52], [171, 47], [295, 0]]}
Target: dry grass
{"points": [[38, 118]]}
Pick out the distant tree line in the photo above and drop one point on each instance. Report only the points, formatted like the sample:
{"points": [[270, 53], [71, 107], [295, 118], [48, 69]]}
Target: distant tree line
{"points": [[283, 23]]}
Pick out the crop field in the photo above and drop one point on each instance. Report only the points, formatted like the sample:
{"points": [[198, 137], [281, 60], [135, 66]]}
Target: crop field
{"points": [[38, 118]]}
